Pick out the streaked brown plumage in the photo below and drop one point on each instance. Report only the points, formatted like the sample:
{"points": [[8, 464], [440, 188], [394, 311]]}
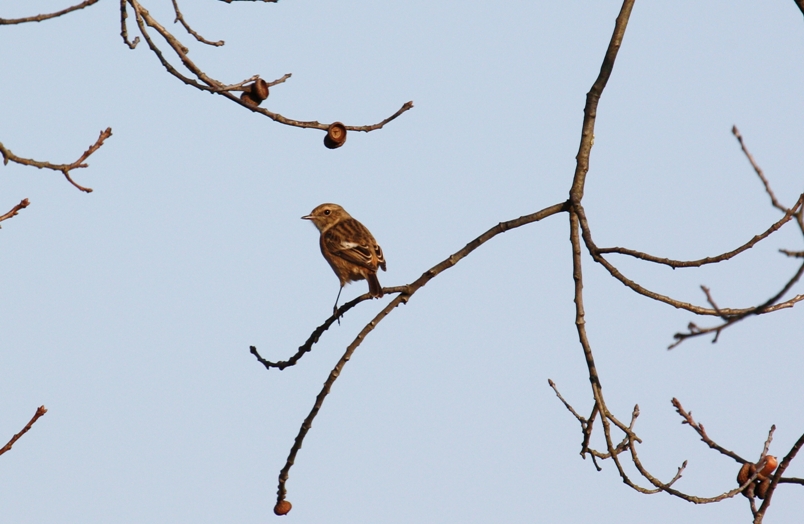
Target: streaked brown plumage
{"points": [[348, 246]]}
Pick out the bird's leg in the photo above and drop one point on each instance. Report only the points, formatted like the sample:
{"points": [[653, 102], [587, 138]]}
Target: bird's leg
{"points": [[335, 307]]}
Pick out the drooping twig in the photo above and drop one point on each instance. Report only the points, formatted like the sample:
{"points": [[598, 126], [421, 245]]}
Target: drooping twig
{"points": [[41, 410], [207, 83], [64, 168], [180, 18], [789, 213], [48, 16]]}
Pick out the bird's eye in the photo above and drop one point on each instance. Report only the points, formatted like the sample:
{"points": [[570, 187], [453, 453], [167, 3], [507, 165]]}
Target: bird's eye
{"points": [[327, 211]]}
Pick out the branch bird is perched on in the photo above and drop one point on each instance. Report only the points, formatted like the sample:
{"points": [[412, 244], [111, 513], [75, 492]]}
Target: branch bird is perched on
{"points": [[349, 247]]}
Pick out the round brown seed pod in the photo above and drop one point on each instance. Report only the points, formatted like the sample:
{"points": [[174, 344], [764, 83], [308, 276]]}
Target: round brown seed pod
{"points": [[282, 507], [249, 99], [746, 472], [762, 487], [770, 465], [336, 135], [259, 89]]}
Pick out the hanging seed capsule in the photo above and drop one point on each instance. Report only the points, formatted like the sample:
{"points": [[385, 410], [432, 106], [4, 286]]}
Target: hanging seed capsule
{"points": [[336, 135]]}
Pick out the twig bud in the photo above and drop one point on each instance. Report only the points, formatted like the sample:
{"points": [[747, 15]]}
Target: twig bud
{"points": [[336, 135]]}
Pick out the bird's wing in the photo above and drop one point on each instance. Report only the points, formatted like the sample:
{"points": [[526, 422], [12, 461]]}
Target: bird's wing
{"points": [[351, 241]]}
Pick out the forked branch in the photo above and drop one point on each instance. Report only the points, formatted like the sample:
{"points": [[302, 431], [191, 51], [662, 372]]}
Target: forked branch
{"points": [[200, 80], [48, 16], [65, 169]]}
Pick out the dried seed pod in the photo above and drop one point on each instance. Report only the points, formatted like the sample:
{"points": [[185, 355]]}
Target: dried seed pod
{"points": [[336, 135], [259, 89], [746, 472], [769, 467], [282, 507], [249, 99], [762, 487]]}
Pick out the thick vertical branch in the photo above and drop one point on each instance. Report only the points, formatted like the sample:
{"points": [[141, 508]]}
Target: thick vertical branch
{"points": [[592, 99]]}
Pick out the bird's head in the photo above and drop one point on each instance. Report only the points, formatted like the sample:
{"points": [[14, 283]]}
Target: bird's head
{"points": [[326, 216]]}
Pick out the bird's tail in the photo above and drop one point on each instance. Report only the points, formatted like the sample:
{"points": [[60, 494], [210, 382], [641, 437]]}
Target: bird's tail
{"points": [[375, 289]]}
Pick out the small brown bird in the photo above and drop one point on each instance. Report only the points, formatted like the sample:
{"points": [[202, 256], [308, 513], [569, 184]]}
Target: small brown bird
{"points": [[348, 247]]}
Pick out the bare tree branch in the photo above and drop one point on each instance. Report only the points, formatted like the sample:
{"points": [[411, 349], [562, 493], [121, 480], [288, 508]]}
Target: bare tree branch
{"points": [[405, 292], [41, 410], [766, 307], [623, 447], [205, 82], [776, 204], [789, 213], [64, 168], [40, 18], [180, 18], [14, 210], [702, 432]]}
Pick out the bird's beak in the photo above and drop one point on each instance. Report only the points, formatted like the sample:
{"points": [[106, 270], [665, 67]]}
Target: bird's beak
{"points": [[307, 217]]}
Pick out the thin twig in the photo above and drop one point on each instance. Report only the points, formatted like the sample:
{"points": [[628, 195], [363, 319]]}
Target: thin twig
{"points": [[699, 428], [760, 174], [64, 168], [789, 213], [206, 83], [14, 210], [42, 17], [180, 18], [768, 306], [41, 410]]}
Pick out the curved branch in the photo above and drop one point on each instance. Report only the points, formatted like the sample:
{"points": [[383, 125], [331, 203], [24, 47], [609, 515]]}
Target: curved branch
{"points": [[48, 16], [405, 292], [789, 214], [209, 84]]}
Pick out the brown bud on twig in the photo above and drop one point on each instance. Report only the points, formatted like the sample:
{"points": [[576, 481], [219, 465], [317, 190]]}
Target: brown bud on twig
{"points": [[282, 507], [336, 135]]}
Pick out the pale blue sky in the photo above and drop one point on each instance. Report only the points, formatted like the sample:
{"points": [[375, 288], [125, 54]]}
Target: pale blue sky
{"points": [[129, 312]]}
